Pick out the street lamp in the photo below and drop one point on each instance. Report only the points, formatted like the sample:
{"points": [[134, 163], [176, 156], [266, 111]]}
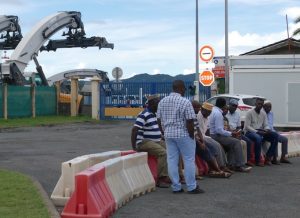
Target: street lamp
{"points": [[226, 49], [196, 82]]}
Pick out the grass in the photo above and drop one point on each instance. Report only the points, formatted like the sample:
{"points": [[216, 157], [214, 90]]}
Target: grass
{"points": [[43, 120], [19, 197]]}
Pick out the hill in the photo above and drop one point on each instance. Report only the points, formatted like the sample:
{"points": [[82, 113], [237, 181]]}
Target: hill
{"points": [[159, 77]]}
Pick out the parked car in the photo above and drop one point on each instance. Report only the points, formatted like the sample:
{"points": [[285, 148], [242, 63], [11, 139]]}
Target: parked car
{"points": [[246, 102]]}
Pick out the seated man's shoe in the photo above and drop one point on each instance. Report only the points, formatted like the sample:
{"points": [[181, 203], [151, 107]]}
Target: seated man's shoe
{"points": [[243, 169], [197, 190], [268, 162], [275, 162], [249, 164], [178, 192], [163, 182], [285, 160], [259, 164]]}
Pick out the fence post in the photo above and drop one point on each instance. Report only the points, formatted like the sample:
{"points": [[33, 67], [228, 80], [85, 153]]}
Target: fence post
{"points": [[57, 86], [95, 97], [5, 101], [32, 94], [74, 96]]}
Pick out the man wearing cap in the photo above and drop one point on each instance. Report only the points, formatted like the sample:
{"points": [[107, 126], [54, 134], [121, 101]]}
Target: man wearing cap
{"points": [[226, 138], [146, 136], [282, 139], [257, 129], [235, 124], [202, 117]]}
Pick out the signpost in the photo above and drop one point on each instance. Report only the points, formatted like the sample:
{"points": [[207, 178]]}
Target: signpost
{"points": [[206, 53], [207, 77]]}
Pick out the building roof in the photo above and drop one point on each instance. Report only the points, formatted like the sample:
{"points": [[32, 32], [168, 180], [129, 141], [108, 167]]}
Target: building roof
{"points": [[286, 46]]}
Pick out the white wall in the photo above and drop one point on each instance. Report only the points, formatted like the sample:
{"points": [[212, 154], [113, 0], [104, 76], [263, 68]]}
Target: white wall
{"points": [[271, 81]]}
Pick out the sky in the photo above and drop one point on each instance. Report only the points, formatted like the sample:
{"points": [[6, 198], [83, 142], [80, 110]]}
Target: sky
{"points": [[154, 37]]}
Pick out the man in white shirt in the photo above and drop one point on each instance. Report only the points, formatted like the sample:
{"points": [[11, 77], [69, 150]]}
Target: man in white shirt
{"points": [[235, 124], [257, 129]]}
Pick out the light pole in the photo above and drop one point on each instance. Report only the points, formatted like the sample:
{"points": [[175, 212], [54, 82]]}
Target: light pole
{"points": [[226, 49], [196, 82]]}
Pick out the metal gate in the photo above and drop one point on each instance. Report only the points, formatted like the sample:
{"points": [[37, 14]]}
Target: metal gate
{"points": [[124, 100]]}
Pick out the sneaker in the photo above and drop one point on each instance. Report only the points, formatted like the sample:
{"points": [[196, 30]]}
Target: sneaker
{"points": [[250, 164], [197, 190], [285, 160], [179, 191], [275, 162], [243, 169]]}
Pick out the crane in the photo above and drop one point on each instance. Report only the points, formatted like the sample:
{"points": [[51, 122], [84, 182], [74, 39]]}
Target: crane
{"points": [[27, 49]]}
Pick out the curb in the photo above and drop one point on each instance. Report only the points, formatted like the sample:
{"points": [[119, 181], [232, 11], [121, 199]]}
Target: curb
{"points": [[48, 203]]}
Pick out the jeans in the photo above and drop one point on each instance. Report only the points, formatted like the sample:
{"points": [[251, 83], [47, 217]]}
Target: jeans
{"points": [[284, 144], [185, 147], [258, 139]]}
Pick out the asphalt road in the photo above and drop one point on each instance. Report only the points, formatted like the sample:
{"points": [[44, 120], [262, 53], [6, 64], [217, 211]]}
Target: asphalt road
{"points": [[265, 192]]}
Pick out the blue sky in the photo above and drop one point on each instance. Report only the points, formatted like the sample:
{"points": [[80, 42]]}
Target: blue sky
{"points": [[153, 36]]}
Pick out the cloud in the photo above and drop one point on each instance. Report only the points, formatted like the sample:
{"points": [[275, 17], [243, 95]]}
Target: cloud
{"points": [[292, 12], [188, 71], [156, 71]]}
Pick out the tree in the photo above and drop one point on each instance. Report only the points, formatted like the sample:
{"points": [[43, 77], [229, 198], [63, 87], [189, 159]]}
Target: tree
{"points": [[297, 31]]}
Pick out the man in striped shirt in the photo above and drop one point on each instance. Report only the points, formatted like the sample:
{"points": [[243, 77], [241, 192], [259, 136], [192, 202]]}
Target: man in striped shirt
{"points": [[146, 136]]}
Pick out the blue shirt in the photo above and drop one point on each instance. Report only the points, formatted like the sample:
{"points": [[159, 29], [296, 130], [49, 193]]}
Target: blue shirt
{"points": [[216, 122], [174, 111], [270, 116], [148, 127]]}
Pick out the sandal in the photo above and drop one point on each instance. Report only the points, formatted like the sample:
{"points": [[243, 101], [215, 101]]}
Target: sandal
{"points": [[227, 170], [221, 174]]}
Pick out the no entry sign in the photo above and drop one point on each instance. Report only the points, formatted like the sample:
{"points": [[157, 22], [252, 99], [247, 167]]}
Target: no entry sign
{"points": [[206, 53]]}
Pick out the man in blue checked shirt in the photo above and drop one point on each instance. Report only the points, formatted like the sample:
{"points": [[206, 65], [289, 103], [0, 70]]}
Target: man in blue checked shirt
{"points": [[176, 120], [146, 136]]}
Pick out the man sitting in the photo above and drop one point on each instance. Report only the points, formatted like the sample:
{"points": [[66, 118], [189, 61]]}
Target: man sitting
{"points": [[207, 149], [258, 130], [227, 139], [234, 120], [282, 139], [146, 136]]}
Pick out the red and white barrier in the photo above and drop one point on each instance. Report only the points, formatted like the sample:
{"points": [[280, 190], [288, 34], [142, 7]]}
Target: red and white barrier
{"points": [[138, 174]]}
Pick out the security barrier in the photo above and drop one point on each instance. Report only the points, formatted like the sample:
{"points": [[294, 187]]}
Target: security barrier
{"points": [[138, 173], [117, 181], [92, 196], [105, 187], [66, 183]]}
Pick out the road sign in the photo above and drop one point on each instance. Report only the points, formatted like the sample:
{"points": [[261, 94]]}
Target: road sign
{"points": [[117, 73], [206, 78], [206, 53]]}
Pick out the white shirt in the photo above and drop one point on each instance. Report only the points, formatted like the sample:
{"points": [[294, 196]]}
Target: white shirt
{"points": [[234, 120], [203, 123]]}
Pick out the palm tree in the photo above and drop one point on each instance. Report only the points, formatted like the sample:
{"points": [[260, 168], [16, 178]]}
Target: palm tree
{"points": [[297, 31]]}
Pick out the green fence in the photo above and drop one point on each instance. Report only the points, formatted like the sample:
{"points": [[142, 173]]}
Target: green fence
{"points": [[19, 102], [45, 101], [1, 101]]}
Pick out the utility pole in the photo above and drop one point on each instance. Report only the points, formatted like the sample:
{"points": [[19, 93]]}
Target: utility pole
{"points": [[196, 82], [226, 49]]}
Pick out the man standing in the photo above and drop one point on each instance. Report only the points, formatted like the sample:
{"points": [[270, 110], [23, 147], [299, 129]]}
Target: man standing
{"points": [[257, 129], [282, 139], [146, 136], [226, 138], [176, 119], [235, 124]]}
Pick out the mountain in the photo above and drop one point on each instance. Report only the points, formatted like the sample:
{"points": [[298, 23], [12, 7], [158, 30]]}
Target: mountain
{"points": [[159, 78]]}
